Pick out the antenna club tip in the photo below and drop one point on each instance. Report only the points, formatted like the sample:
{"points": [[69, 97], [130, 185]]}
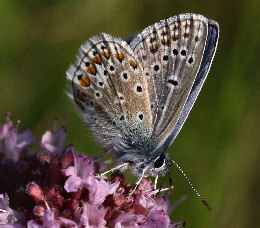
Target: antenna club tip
{"points": [[206, 204]]}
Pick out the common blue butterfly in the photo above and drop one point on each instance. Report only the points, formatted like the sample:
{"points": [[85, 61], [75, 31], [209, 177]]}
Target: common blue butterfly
{"points": [[135, 94]]}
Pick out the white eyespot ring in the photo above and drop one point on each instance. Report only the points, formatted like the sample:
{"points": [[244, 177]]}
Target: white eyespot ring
{"points": [[100, 84], [183, 53], [156, 67], [165, 58], [121, 97], [173, 82], [98, 94], [121, 118], [111, 68], [138, 88], [125, 76], [91, 103], [190, 60], [140, 117]]}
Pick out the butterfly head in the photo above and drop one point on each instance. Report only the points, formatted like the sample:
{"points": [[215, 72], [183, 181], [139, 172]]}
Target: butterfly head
{"points": [[157, 165]]}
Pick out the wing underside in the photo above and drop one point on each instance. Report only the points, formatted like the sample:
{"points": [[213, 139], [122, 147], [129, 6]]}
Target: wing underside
{"points": [[108, 87], [210, 49], [175, 58], [141, 94]]}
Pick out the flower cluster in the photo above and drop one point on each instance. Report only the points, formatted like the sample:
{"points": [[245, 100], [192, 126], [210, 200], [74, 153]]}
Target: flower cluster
{"points": [[46, 185]]}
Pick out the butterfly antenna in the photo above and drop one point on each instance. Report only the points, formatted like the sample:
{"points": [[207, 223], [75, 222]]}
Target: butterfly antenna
{"points": [[192, 187]]}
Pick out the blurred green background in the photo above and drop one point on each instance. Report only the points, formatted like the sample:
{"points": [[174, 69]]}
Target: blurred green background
{"points": [[218, 146]]}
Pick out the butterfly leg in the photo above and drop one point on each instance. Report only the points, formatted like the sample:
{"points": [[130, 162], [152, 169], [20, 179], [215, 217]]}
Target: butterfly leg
{"points": [[155, 182], [121, 166], [157, 191], [101, 158], [139, 180]]}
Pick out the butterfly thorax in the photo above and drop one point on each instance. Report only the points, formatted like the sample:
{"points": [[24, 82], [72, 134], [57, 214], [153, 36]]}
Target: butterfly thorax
{"points": [[141, 158]]}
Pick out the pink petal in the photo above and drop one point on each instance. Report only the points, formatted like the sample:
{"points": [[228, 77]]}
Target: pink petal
{"points": [[100, 189], [157, 219], [8, 216], [73, 183], [93, 216], [53, 141], [48, 221], [129, 220]]}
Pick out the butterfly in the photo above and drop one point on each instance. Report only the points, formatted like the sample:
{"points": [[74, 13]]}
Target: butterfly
{"points": [[135, 93]]}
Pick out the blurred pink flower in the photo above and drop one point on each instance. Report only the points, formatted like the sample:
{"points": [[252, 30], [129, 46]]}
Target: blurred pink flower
{"points": [[55, 187], [8, 215], [48, 221], [54, 141], [14, 142]]}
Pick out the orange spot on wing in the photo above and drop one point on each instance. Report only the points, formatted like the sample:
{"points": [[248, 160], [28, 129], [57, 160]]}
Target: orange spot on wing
{"points": [[82, 96], [133, 64], [165, 42], [92, 70], [97, 59], [84, 82], [106, 54], [153, 48], [120, 56]]}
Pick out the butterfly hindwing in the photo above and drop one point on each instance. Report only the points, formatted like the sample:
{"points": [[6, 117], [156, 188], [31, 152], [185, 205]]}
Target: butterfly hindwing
{"points": [[108, 87]]}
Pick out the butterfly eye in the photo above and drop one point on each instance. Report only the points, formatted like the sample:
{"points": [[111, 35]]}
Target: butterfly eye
{"points": [[160, 161]]}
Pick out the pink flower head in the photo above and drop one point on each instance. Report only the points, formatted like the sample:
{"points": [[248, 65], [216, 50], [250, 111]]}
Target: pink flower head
{"points": [[129, 221], [79, 174], [48, 221], [146, 186], [100, 189], [82, 175], [91, 215], [58, 188], [157, 218]]}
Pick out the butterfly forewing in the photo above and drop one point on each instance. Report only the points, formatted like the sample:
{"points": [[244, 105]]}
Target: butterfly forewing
{"points": [[108, 86], [171, 51], [210, 48]]}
